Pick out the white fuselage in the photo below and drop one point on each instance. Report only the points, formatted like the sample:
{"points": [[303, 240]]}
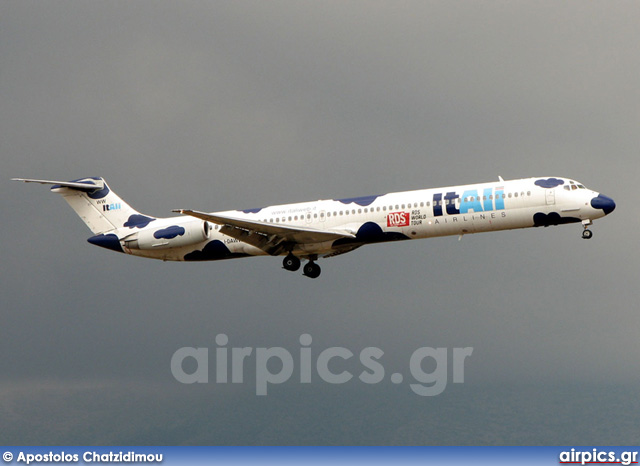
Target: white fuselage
{"points": [[310, 230], [454, 210]]}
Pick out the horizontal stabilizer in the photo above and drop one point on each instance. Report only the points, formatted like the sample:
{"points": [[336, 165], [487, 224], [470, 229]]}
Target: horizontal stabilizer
{"points": [[88, 185]]}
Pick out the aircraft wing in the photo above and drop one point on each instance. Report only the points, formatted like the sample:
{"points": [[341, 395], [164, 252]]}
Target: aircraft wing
{"points": [[271, 238]]}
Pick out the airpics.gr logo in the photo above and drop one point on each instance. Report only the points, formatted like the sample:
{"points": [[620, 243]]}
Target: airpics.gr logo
{"points": [[428, 367], [398, 219]]}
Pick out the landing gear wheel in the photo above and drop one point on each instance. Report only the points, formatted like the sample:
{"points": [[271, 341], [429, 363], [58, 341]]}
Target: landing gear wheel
{"points": [[587, 234], [291, 263], [311, 270]]}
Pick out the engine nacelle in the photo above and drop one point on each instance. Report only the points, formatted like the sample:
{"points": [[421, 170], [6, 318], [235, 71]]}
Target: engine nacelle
{"points": [[172, 236]]}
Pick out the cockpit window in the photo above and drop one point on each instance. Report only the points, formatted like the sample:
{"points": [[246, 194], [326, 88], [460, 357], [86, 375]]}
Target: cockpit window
{"points": [[581, 187]]}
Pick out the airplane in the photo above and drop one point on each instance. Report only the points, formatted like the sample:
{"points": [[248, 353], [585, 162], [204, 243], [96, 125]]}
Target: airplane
{"points": [[326, 228]]}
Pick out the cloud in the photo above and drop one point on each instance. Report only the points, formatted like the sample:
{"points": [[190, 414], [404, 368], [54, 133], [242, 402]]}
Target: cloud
{"points": [[169, 232], [213, 250], [361, 201], [549, 182], [138, 221], [553, 218], [109, 241], [251, 211]]}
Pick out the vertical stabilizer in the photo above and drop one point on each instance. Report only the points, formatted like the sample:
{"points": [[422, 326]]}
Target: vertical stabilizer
{"points": [[99, 207]]}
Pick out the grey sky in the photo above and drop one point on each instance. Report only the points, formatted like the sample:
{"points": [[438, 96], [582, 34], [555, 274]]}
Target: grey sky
{"points": [[224, 105]]}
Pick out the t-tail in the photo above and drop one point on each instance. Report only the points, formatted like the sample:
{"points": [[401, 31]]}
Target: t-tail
{"points": [[99, 207]]}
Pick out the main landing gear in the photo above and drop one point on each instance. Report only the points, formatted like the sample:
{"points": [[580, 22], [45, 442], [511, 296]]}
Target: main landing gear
{"points": [[291, 263], [310, 269], [586, 233]]}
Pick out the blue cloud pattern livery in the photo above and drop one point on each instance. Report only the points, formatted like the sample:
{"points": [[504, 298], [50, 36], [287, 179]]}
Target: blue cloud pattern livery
{"points": [[138, 221], [361, 201], [553, 218], [313, 230], [549, 183], [213, 250], [109, 241], [370, 233], [169, 232], [603, 202]]}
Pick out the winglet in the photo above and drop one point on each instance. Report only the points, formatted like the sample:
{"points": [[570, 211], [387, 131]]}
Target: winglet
{"points": [[500, 178]]}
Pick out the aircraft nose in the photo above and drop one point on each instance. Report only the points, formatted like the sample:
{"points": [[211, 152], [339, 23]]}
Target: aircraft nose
{"points": [[603, 202]]}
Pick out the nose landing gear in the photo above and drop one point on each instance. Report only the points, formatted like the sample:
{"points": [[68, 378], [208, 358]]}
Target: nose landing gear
{"points": [[586, 233]]}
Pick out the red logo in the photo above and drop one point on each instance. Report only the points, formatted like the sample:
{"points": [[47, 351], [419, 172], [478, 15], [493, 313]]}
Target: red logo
{"points": [[398, 219]]}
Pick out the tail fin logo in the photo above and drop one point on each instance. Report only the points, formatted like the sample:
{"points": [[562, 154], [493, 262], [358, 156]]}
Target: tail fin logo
{"points": [[110, 207]]}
